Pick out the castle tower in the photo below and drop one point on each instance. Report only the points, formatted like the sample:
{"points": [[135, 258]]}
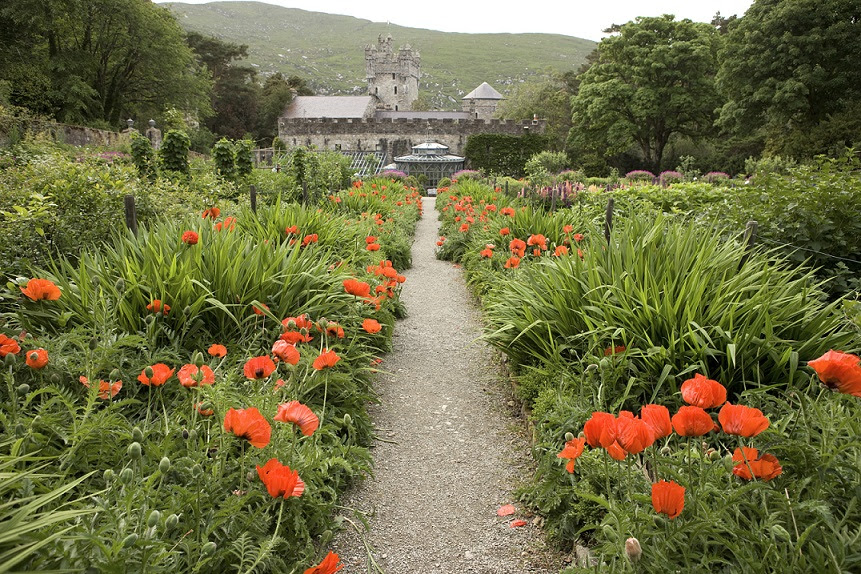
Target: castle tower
{"points": [[481, 103], [393, 78]]}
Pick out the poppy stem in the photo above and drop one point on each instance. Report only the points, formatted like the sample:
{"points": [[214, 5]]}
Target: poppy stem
{"points": [[607, 472], [278, 523]]}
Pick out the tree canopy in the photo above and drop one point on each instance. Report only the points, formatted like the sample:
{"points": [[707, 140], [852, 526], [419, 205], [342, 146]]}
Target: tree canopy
{"points": [[652, 80], [548, 98]]}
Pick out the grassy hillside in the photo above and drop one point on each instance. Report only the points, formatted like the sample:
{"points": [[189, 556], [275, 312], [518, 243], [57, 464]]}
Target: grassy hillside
{"points": [[328, 50]]}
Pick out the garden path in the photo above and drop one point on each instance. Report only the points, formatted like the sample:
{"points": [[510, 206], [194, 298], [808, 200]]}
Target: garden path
{"points": [[451, 453]]}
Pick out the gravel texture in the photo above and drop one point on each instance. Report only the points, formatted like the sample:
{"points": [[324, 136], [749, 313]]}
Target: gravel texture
{"points": [[450, 453]]}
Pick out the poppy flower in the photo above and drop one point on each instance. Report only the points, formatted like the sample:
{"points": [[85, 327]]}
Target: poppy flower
{"points": [[300, 415], [578, 237], [464, 228], [258, 367], [280, 480], [658, 419], [567, 229], [285, 352], [160, 374], [633, 434], [616, 451], [229, 224], [190, 376], [512, 263], [329, 565], [190, 238], [8, 346], [334, 330], [440, 241], [509, 211], [203, 411], [517, 247], [308, 239], [326, 359], [486, 252], [373, 247], [614, 350], [765, 467], [260, 308], [504, 231], [106, 389], [839, 372], [741, 420], [703, 392], [537, 240], [158, 307], [357, 288], [371, 326], [41, 290], [600, 430], [292, 230], [572, 451], [668, 498], [692, 421], [212, 213], [248, 424], [217, 350], [37, 358], [560, 251]]}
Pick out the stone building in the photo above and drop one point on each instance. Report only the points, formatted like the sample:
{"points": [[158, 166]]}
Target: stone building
{"points": [[383, 122]]}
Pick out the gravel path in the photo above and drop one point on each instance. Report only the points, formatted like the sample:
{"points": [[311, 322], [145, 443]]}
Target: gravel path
{"points": [[456, 454]]}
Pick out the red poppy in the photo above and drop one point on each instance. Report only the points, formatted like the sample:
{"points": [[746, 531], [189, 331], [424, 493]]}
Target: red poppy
{"points": [[333, 330], [190, 238], [633, 434], [292, 230], [329, 565], [616, 451], [512, 263], [326, 359], [190, 376], [504, 231], [158, 307], [517, 247], [212, 213], [572, 451], [203, 412], [106, 390], [839, 371], [441, 241], [567, 229], [373, 247], [658, 419], [248, 424], [464, 228], [741, 420], [371, 326], [703, 392], [560, 251], [217, 350], [259, 367], [537, 240], [692, 421], [357, 288], [37, 358], [300, 415], [578, 237], [160, 374], [765, 468], [259, 308], [280, 480], [285, 352], [614, 350], [229, 224], [668, 498], [507, 211], [600, 430], [486, 252], [8, 346], [308, 239], [41, 289]]}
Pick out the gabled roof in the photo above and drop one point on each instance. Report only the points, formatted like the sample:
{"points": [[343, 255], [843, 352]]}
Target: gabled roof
{"points": [[484, 92], [355, 107]]}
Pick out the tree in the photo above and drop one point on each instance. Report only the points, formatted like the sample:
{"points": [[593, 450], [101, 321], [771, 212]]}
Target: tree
{"points": [[791, 76], [97, 61], [276, 93], [652, 80], [549, 99]]}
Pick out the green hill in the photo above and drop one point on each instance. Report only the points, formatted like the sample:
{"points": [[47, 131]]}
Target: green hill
{"points": [[328, 50]]}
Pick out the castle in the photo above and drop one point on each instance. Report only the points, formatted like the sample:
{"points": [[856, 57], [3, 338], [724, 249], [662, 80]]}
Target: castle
{"points": [[383, 121]]}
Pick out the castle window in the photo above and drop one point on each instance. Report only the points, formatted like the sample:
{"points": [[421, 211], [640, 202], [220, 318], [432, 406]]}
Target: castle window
{"points": [[396, 108], [396, 90], [393, 76]]}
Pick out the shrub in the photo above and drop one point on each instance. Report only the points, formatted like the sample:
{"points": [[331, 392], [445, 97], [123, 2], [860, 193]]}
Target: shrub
{"points": [[224, 160], [640, 175], [143, 157], [243, 158], [174, 152], [669, 177]]}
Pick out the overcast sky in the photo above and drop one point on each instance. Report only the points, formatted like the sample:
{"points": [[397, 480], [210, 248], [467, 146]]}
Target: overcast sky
{"points": [[581, 18]]}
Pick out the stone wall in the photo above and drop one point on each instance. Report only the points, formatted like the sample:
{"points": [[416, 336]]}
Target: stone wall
{"points": [[394, 136], [62, 133]]}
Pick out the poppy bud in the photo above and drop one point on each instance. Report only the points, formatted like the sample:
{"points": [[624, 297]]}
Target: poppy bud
{"points": [[95, 281], [137, 434], [55, 379], [94, 344], [728, 462], [665, 451], [148, 372], [192, 435], [198, 359], [126, 475], [633, 549], [592, 367], [171, 522], [184, 434], [196, 471], [187, 312], [164, 464], [134, 450], [23, 389], [569, 436], [250, 475], [130, 540], [115, 375], [20, 430], [120, 285], [153, 518], [348, 419], [109, 475], [9, 360], [291, 324], [325, 538], [149, 319], [208, 549]]}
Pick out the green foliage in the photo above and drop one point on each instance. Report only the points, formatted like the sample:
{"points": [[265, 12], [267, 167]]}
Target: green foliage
{"points": [[244, 159], [143, 157], [174, 152], [500, 154], [548, 98], [224, 159], [542, 166]]}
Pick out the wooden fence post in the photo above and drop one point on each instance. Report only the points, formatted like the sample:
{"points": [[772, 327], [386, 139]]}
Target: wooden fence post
{"points": [[506, 189], [253, 198], [304, 193], [608, 220], [553, 199], [131, 213]]}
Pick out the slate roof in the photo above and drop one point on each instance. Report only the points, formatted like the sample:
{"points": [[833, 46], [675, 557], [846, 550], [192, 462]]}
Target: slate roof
{"points": [[355, 107], [484, 92], [387, 114]]}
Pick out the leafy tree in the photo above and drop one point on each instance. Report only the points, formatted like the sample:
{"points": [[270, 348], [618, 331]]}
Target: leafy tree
{"points": [[790, 74], [549, 99], [276, 93], [652, 80], [174, 152], [97, 62]]}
